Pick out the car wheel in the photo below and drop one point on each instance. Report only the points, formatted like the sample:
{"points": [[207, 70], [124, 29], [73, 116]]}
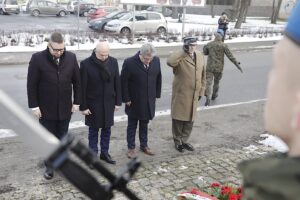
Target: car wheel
{"points": [[85, 13], [1, 11], [161, 31], [125, 31], [62, 13], [102, 28], [35, 13]]}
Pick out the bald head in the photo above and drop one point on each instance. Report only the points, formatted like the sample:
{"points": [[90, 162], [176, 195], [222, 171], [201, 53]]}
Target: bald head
{"points": [[102, 50]]}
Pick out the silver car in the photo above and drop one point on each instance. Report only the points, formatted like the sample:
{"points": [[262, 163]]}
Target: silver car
{"points": [[145, 22], [47, 8]]}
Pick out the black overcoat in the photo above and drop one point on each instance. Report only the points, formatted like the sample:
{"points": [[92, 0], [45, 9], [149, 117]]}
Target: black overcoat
{"points": [[49, 86], [100, 96], [141, 86]]}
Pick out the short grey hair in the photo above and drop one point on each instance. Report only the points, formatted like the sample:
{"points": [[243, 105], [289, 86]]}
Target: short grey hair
{"points": [[147, 49], [57, 37]]}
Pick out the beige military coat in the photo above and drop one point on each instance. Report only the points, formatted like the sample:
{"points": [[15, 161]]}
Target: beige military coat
{"points": [[188, 84]]}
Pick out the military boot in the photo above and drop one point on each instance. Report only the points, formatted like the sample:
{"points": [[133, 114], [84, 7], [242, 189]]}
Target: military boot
{"points": [[214, 96], [207, 103]]}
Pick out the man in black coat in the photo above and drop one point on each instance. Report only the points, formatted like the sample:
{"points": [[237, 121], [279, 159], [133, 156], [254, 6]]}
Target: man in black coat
{"points": [[52, 75], [101, 91], [141, 85]]}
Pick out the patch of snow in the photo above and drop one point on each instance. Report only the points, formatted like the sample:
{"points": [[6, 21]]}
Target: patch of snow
{"points": [[274, 142]]}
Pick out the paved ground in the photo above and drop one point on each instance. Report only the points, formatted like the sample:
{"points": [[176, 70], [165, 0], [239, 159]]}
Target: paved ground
{"points": [[220, 136]]}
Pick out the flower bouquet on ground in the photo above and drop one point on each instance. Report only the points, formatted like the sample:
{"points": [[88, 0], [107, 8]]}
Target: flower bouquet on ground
{"points": [[216, 191], [194, 194], [225, 192]]}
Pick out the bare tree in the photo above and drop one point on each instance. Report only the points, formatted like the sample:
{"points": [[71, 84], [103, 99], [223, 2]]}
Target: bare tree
{"points": [[275, 11], [212, 10], [242, 13]]}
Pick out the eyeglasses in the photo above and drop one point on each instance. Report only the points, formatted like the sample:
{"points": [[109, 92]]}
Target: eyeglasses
{"points": [[57, 50]]}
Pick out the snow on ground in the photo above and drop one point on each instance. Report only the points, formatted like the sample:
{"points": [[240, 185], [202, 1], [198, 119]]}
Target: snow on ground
{"points": [[193, 23], [274, 142]]}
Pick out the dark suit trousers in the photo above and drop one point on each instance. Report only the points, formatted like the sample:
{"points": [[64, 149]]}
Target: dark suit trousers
{"points": [[59, 128], [104, 139], [143, 132]]}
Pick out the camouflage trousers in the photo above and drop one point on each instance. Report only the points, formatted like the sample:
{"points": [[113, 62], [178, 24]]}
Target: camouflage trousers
{"points": [[212, 84]]}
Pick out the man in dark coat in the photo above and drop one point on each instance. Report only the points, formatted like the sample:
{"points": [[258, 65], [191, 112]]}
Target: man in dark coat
{"points": [[52, 74], [101, 91], [141, 85]]}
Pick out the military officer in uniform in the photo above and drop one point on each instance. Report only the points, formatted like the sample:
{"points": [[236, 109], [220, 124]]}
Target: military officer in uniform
{"points": [[188, 87], [277, 177], [215, 51]]}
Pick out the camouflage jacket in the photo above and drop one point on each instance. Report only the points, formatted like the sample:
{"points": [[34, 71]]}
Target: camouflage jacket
{"points": [[215, 51], [275, 177]]}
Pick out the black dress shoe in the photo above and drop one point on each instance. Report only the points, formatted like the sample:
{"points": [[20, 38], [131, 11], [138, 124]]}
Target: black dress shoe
{"points": [[179, 148], [107, 158], [48, 174], [188, 146]]}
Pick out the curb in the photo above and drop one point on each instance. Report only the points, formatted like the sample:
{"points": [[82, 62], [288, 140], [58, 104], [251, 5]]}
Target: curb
{"points": [[21, 58]]}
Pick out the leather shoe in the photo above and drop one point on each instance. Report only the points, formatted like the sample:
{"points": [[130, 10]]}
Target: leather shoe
{"points": [[48, 174], [179, 148], [188, 146], [130, 153], [107, 158], [147, 151]]}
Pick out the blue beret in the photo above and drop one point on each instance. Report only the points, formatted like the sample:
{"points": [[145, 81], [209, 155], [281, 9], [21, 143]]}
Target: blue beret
{"points": [[293, 27]]}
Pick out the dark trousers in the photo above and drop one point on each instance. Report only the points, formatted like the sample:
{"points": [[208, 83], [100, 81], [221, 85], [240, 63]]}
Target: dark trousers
{"points": [[143, 132], [104, 139], [181, 131], [59, 128]]}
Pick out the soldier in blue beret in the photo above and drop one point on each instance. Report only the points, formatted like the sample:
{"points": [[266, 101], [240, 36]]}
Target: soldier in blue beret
{"points": [[277, 177]]}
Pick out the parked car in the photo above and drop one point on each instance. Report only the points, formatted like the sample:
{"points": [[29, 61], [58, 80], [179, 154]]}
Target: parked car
{"points": [[100, 12], [71, 5], [167, 12], [37, 8], [145, 22], [99, 24], [83, 9], [9, 7]]}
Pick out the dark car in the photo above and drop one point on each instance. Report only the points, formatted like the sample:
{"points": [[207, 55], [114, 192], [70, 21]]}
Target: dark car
{"points": [[99, 23], [83, 8]]}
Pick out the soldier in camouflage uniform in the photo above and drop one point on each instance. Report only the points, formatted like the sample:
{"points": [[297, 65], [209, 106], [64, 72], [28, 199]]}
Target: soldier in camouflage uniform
{"points": [[277, 177], [215, 64]]}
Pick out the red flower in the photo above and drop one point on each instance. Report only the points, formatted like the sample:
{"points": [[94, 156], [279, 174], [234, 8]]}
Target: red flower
{"points": [[240, 196], [240, 190], [195, 191], [226, 190], [213, 185], [233, 197]]}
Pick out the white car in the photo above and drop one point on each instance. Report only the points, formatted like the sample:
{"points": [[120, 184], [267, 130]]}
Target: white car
{"points": [[71, 5], [145, 22]]}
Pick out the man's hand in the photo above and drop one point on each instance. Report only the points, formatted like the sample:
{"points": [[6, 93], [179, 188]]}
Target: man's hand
{"points": [[117, 108], [74, 108], [128, 103], [86, 112], [37, 113]]}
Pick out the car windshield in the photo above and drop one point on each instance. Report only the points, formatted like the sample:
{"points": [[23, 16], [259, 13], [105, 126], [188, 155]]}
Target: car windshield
{"points": [[110, 15], [126, 17]]}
